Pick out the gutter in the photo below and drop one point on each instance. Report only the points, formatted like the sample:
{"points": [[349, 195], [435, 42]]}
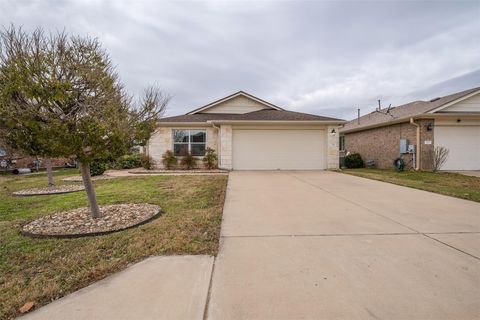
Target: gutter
{"points": [[417, 149], [278, 121]]}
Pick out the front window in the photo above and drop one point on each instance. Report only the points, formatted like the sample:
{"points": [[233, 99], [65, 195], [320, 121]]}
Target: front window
{"points": [[192, 141]]}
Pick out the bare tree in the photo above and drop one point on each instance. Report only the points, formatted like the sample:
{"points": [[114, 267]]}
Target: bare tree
{"points": [[438, 156], [61, 97]]}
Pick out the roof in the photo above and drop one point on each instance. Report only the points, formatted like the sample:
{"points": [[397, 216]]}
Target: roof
{"points": [[260, 115], [406, 111], [234, 95]]}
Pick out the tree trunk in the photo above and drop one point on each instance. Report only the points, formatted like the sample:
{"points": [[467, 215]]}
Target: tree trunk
{"points": [[48, 165], [87, 182]]}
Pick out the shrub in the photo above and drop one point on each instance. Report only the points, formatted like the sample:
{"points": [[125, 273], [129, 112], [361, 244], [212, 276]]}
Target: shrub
{"points": [[147, 162], [97, 168], [210, 159], [169, 160], [354, 160], [128, 161], [437, 157], [188, 161]]}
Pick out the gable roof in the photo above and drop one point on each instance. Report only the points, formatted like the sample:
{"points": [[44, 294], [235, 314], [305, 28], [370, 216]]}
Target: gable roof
{"points": [[232, 96], [404, 112], [260, 115]]}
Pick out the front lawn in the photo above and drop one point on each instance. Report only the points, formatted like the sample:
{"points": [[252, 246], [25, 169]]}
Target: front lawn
{"points": [[447, 183], [42, 270]]}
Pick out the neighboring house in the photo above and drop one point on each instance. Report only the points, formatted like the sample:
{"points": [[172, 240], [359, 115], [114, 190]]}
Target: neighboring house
{"points": [[250, 134], [452, 122]]}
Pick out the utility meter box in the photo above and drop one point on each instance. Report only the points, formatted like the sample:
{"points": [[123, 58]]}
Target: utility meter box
{"points": [[403, 146], [411, 148]]}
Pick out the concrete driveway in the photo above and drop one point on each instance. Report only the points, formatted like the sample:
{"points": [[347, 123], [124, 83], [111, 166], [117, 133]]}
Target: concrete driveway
{"points": [[323, 245]]}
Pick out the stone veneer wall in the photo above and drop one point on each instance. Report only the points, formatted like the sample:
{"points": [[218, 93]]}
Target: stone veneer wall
{"points": [[383, 144], [332, 148], [162, 140], [226, 136]]}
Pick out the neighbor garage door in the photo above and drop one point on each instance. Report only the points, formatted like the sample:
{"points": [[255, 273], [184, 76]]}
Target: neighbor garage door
{"points": [[278, 149], [463, 143]]}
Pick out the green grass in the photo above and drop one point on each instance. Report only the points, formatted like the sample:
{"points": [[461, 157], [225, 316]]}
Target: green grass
{"points": [[447, 183], [42, 270]]}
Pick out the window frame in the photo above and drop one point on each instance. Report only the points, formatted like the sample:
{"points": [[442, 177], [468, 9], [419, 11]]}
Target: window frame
{"points": [[341, 143], [189, 142]]}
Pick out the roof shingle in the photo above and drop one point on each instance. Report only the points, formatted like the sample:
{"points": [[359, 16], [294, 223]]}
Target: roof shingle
{"points": [[260, 115], [411, 109]]}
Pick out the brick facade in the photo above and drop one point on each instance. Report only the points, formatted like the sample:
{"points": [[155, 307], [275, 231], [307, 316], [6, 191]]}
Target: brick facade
{"points": [[382, 144]]}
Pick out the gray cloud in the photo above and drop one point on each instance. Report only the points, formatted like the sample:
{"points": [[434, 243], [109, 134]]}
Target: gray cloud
{"points": [[320, 57]]}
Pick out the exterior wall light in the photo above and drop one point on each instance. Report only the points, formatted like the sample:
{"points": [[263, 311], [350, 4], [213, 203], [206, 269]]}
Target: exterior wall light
{"points": [[333, 131], [429, 127]]}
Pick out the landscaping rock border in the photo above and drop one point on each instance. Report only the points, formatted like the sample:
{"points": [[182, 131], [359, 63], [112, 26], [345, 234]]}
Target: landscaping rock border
{"points": [[94, 178], [79, 223], [215, 171], [49, 190]]}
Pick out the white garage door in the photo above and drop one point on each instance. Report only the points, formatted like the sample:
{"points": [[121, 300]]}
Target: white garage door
{"points": [[279, 149], [464, 146]]}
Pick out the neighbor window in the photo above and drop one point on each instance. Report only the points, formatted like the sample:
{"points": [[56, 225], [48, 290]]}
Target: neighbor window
{"points": [[192, 141], [342, 143]]}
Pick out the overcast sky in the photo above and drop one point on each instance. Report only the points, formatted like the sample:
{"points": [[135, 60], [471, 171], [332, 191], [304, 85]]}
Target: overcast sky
{"points": [[326, 58]]}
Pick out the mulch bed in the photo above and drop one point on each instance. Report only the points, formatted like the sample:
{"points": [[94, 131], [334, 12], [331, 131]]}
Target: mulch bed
{"points": [[94, 178], [49, 190], [79, 222]]}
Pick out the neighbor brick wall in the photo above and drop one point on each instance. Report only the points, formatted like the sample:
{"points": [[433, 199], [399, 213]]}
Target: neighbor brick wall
{"points": [[27, 162], [383, 144]]}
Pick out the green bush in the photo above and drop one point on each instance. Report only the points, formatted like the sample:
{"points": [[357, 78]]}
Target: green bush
{"points": [[354, 160], [147, 162], [210, 159], [97, 168], [188, 161], [169, 160], [128, 161]]}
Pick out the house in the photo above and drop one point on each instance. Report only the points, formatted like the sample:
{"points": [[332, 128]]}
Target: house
{"points": [[413, 130], [249, 133]]}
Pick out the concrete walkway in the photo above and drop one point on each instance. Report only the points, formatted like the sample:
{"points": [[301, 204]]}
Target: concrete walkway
{"points": [[169, 287], [323, 245]]}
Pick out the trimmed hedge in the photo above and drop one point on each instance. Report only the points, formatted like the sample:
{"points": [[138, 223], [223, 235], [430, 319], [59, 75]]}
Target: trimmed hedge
{"points": [[97, 168], [354, 160], [128, 161]]}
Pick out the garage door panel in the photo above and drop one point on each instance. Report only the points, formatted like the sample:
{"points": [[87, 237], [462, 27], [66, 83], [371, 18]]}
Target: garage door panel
{"points": [[463, 144], [278, 149]]}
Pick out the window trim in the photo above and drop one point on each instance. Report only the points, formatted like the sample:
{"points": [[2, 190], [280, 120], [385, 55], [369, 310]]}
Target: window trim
{"points": [[189, 143]]}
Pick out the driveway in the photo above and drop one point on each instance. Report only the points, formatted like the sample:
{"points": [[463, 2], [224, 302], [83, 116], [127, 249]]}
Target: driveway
{"points": [[323, 245]]}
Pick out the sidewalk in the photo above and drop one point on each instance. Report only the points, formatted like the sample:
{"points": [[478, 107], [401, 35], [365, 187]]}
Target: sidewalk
{"points": [[167, 287]]}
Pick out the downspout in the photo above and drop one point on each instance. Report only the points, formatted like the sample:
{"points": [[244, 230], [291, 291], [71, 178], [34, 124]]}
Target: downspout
{"points": [[417, 149]]}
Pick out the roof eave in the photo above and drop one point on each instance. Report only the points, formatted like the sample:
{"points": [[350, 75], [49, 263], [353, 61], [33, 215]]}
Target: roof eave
{"points": [[448, 104], [388, 123], [277, 121], [182, 123], [418, 116]]}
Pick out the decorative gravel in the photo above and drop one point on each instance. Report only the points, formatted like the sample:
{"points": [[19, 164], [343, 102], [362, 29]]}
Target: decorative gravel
{"points": [[49, 190], [79, 222], [79, 178], [214, 171]]}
